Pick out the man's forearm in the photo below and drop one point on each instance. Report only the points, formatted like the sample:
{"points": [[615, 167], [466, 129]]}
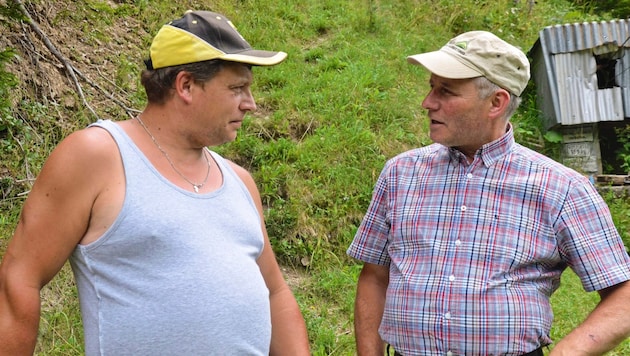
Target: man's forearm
{"points": [[289, 334], [367, 318], [368, 309], [19, 322], [606, 327]]}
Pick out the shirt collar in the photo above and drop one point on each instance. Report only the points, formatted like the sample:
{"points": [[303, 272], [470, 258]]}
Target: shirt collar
{"points": [[491, 151]]}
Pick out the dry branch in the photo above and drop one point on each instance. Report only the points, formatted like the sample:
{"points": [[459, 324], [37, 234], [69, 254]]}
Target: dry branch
{"points": [[72, 71], [56, 53]]}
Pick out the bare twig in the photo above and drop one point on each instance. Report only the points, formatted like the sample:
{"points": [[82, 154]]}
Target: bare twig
{"points": [[111, 82], [130, 111], [69, 68]]}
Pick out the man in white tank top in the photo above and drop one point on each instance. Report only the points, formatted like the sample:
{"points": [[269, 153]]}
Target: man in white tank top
{"points": [[162, 233]]}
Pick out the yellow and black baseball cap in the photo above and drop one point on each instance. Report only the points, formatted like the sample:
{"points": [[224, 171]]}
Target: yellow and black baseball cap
{"points": [[201, 36]]}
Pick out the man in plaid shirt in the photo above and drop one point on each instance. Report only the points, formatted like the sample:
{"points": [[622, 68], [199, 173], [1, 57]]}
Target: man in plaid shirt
{"points": [[465, 240]]}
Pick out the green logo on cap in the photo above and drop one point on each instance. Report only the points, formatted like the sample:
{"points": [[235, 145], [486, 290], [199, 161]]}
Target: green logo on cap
{"points": [[463, 45]]}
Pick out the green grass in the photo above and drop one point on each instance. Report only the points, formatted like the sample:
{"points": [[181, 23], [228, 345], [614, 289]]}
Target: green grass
{"points": [[343, 102]]}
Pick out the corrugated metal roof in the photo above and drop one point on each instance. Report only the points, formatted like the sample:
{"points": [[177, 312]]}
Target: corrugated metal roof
{"points": [[581, 36]]}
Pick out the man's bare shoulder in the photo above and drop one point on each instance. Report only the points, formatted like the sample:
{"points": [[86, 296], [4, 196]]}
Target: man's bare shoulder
{"points": [[85, 158], [89, 141], [240, 171]]}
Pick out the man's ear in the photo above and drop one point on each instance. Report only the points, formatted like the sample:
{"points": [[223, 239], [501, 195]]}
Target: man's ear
{"points": [[499, 103], [183, 86]]}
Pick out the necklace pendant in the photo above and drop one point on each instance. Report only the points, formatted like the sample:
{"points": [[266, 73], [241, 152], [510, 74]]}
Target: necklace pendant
{"points": [[205, 155]]}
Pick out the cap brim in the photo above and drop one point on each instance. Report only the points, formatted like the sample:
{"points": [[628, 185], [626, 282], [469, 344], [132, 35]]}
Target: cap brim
{"points": [[256, 57], [444, 65]]}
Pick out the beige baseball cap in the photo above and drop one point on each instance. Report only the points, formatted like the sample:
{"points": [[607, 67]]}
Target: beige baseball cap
{"points": [[476, 54]]}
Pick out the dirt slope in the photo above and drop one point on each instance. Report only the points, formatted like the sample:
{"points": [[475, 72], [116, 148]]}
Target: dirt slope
{"points": [[71, 34]]}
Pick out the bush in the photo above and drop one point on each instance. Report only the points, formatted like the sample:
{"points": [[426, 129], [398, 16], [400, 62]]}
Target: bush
{"points": [[616, 8]]}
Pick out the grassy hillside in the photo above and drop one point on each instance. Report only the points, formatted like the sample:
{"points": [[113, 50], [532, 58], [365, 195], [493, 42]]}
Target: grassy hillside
{"points": [[343, 102]]}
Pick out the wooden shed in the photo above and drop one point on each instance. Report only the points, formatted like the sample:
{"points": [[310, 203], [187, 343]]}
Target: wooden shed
{"points": [[582, 77]]}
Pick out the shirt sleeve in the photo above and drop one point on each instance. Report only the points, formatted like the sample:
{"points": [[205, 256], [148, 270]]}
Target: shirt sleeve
{"points": [[588, 239], [371, 239]]}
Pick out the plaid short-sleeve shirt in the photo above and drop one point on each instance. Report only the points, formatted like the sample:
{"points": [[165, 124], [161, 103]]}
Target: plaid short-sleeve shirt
{"points": [[476, 250]]}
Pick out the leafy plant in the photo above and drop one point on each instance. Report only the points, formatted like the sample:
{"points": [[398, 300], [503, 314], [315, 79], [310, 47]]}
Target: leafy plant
{"points": [[623, 152], [616, 8]]}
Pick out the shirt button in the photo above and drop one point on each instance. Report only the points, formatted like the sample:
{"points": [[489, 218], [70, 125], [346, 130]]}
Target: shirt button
{"points": [[449, 354], [469, 175], [463, 208], [447, 316], [451, 278], [458, 243]]}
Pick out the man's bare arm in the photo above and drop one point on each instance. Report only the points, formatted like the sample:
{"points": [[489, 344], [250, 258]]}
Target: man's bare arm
{"points": [[606, 326], [54, 218], [288, 330], [368, 309]]}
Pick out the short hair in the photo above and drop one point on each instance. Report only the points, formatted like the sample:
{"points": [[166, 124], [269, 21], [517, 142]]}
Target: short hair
{"points": [[486, 88], [158, 83]]}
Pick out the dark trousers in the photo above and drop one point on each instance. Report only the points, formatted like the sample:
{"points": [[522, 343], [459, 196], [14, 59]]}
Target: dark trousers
{"points": [[537, 352]]}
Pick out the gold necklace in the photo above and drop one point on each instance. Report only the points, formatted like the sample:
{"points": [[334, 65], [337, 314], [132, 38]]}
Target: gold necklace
{"points": [[195, 186]]}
